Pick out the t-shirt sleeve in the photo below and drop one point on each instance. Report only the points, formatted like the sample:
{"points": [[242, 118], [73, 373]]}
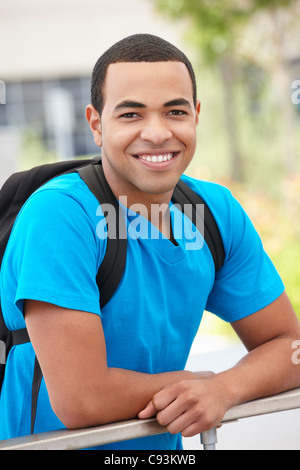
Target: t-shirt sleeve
{"points": [[248, 280], [54, 253]]}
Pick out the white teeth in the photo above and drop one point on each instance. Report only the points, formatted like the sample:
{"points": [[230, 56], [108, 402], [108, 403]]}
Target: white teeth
{"points": [[157, 158]]}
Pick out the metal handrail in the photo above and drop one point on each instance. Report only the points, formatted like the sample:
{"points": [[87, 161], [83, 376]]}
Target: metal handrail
{"points": [[65, 439]]}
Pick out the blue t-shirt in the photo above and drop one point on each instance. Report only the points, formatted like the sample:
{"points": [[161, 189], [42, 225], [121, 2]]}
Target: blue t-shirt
{"points": [[54, 253]]}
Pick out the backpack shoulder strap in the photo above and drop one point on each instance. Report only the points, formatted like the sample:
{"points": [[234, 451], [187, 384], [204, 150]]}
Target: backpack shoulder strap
{"points": [[19, 187], [183, 194], [113, 264]]}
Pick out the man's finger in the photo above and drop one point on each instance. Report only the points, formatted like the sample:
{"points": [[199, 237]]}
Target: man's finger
{"points": [[148, 412], [165, 397]]}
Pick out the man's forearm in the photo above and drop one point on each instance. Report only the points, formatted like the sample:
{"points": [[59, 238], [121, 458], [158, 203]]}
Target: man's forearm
{"points": [[191, 407], [121, 395], [267, 370], [195, 406], [128, 391]]}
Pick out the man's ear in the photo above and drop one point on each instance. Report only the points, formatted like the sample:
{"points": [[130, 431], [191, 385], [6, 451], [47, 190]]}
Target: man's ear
{"points": [[93, 118], [198, 109]]}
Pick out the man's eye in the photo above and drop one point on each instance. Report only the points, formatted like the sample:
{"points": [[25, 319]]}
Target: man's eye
{"points": [[177, 112], [129, 115]]}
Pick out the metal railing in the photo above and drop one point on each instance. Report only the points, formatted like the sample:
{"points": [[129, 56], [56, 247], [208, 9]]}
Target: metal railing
{"points": [[85, 438]]}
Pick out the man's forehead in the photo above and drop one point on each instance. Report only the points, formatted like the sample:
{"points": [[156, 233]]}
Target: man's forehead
{"points": [[142, 76], [146, 67]]}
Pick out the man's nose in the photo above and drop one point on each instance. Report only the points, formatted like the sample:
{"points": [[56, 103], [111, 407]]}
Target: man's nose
{"points": [[156, 131]]}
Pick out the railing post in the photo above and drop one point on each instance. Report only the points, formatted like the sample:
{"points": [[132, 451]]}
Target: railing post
{"points": [[209, 439]]}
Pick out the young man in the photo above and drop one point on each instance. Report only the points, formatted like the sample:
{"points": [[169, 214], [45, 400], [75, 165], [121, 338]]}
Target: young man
{"points": [[128, 359]]}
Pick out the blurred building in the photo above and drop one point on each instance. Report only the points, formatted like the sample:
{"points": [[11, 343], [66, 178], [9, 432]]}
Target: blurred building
{"points": [[47, 53]]}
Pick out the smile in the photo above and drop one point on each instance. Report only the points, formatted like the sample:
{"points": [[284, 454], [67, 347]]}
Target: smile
{"points": [[157, 158]]}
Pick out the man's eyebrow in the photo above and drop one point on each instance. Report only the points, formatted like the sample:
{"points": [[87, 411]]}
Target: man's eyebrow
{"points": [[129, 104], [178, 102], [136, 104]]}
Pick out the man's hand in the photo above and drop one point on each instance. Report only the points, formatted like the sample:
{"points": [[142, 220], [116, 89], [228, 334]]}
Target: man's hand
{"points": [[194, 406], [188, 406]]}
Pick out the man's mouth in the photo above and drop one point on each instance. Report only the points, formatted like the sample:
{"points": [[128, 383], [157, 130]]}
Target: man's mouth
{"points": [[157, 158]]}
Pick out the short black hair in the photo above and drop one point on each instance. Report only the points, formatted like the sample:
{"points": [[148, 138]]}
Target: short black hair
{"points": [[136, 48]]}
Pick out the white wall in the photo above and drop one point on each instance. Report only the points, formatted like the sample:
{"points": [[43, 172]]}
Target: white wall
{"points": [[65, 37]]}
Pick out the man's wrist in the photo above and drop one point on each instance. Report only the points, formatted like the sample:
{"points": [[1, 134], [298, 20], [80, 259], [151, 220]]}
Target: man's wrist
{"points": [[226, 387]]}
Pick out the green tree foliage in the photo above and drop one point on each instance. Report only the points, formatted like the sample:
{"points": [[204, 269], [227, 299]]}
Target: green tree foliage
{"points": [[220, 29], [252, 45], [214, 22], [219, 22]]}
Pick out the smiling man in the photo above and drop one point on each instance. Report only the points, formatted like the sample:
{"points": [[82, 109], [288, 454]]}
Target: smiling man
{"points": [[147, 134], [128, 358]]}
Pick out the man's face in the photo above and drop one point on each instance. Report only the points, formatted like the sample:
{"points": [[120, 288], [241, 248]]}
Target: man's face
{"points": [[147, 129]]}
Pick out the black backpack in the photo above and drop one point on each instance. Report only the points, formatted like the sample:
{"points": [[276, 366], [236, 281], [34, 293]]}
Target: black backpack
{"points": [[18, 188]]}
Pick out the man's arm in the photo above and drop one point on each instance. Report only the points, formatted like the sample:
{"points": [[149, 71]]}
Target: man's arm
{"points": [[83, 391], [192, 407]]}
